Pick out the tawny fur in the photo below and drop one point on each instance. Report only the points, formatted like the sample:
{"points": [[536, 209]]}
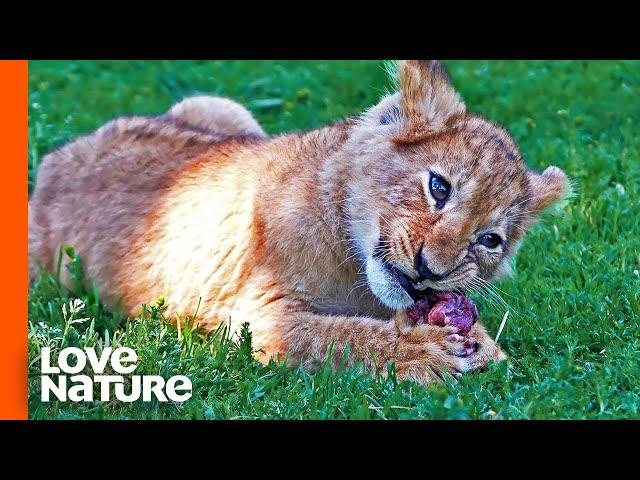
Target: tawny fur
{"points": [[200, 207]]}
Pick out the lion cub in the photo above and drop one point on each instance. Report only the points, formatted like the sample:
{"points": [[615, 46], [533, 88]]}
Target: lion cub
{"points": [[314, 238]]}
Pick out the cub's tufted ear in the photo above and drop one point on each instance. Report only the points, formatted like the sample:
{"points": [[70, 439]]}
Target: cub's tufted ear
{"points": [[427, 98], [548, 187]]}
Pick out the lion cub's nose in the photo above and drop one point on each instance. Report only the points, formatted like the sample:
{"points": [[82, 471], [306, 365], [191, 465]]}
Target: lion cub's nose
{"points": [[421, 264]]}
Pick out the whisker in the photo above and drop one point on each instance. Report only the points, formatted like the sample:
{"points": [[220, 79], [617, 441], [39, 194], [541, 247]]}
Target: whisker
{"points": [[492, 289]]}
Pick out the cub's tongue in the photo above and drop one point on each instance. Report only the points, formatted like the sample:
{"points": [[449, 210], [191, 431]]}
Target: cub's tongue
{"points": [[444, 308]]}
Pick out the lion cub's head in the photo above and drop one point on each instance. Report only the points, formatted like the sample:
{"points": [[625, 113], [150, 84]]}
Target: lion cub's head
{"points": [[438, 197]]}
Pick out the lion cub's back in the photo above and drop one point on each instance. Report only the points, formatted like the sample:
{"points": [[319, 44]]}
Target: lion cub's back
{"points": [[97, 192], [126, 153]]}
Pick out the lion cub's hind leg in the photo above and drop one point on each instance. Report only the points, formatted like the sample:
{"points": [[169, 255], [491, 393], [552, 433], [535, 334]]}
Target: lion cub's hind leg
{"points": [[216, 115]]}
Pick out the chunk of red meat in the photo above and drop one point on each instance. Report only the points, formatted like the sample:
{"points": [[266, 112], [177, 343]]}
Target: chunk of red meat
{"points": [[444, 308]]}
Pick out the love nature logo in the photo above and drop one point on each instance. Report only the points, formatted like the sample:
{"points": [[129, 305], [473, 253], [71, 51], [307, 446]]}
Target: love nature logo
{"points": [[69, 385]]}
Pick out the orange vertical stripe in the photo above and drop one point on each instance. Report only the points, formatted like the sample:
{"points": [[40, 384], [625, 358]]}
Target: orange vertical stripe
{"points": [[13, 240]]}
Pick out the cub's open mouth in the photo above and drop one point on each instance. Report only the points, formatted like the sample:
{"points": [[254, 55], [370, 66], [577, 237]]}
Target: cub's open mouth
{"points": [[405, 281]]}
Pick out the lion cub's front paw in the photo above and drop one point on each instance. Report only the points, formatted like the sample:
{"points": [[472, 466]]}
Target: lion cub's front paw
{"points": [[425, 352]]}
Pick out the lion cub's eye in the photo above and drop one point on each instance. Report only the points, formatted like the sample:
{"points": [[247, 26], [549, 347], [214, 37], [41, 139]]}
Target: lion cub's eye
{"points": [[439, 189], [490, 240]]}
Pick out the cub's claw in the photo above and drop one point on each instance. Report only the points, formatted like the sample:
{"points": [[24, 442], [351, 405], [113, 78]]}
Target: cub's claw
{"points": [[460, 345], [487, 350]]}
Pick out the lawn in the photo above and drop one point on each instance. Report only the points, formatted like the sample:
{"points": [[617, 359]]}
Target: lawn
{"points": [[573, 336]]}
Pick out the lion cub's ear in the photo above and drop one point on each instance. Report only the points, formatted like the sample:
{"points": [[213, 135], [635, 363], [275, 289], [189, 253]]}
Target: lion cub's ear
{"points": [[548, 187], [427, 98]]}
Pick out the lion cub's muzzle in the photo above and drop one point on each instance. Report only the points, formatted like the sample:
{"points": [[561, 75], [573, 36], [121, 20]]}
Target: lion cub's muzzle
{"points": [[421, 265]]}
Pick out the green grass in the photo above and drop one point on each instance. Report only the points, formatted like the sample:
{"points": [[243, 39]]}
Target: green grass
{"points": [[574, 335]]}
